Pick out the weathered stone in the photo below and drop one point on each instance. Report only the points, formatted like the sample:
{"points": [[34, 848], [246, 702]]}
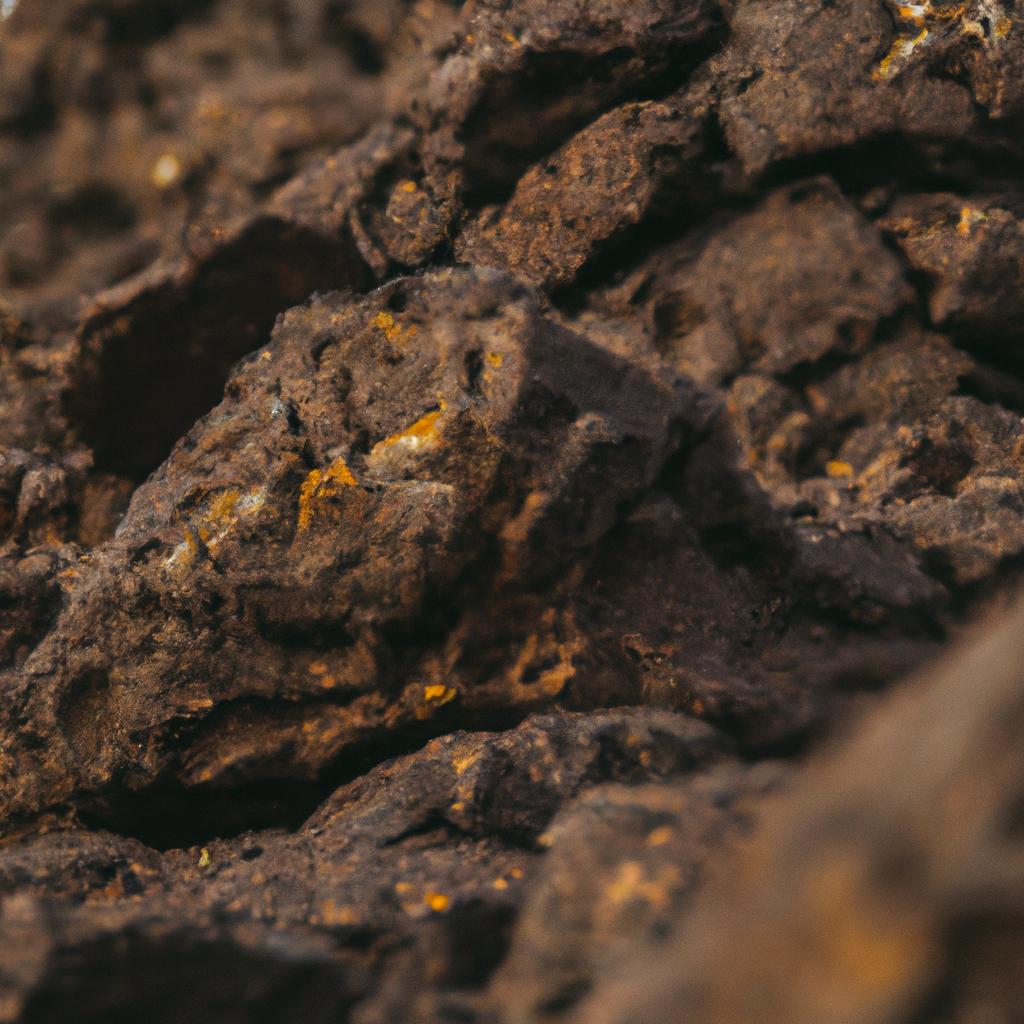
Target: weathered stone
{"points": [[456, 458]]}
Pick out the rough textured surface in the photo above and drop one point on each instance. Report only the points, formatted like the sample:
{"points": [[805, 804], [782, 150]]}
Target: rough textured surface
{"points": [[456, 460], [848, 886]]}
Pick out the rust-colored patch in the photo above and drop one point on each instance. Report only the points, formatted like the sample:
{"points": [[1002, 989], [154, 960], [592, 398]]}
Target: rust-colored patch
{"points": [[437, 901], [320, 486]]}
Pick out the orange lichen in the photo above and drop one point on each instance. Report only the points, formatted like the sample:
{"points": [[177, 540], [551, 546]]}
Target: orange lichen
{"points": [[402, 888], [386, 322], [438, 694], [550, 680], [660, 836], [437, 901], [191, 542], [393, 330], [461, 764], [913, 12], [223, 505], [631, 883], [408, 187], [494, 359], [434, 696], [209, 528], [838, 470], [320, 485], [422, 432], [926, 13], [968, 218], [204, 858], [500, 884], [626, 882]]}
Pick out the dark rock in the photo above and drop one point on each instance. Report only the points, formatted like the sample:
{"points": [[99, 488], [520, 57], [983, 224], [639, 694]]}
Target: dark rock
{"points": [[456, 459]]}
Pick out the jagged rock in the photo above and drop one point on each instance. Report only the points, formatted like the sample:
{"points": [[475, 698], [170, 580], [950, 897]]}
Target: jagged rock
{"points": [[433, 849], [604, 181], [317, 562], [969, 250]]}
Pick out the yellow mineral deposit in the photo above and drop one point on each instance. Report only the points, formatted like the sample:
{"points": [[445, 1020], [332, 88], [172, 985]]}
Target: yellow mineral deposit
{"points": [[984, 20], [437, 901], [208, 529], [463, 764], [969, 217], [837, 469], [435, 696], [660, 836], [319, 487], [166, 171], [438, 694], [418, 434], [392, 329]]}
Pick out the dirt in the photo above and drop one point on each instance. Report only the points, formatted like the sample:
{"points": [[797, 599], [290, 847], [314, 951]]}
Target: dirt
{"points": [[474, 479]]}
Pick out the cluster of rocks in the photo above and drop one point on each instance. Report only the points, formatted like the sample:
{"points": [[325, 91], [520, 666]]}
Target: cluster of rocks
{"points": [[457, 460]]}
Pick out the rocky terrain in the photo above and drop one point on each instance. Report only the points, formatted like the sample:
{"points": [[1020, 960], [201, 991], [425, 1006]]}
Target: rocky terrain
{"points": [[511, 511]]}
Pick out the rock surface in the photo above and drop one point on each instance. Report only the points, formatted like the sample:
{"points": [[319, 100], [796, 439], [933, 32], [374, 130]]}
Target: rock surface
{"points": [[457, 461]]}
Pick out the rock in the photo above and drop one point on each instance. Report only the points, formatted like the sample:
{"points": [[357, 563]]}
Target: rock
{"points": [[385, 481], [848, 884], [433, 849]]}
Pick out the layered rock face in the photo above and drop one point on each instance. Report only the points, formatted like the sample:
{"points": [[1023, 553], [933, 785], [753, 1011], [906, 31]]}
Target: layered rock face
{"points": [[473, 480]]}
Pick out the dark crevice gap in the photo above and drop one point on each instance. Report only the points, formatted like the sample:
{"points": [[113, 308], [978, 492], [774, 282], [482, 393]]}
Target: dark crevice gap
{"points": [[133, 25], [524, 98], [480, 935], [352, 39], [169, 815], [995, 382], [891, 159], [858, 169], [435, 825], [181, 975], [152, 368]]}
